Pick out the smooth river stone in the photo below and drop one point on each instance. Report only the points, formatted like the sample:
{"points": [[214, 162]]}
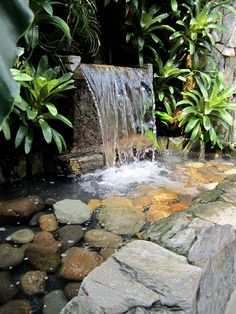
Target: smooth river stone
{"points": [[121, 220], [102, 238], [78, 262], [48, 222], [10, 256], [22, 236], [20, 209], [16, 307], [8, 289], [69, 235], [54, 302], [33, 282], [72, 211]]}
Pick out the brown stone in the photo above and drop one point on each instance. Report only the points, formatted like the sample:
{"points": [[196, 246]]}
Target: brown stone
{"points": [[178, 206], [157, 212], [10, 256], [71, 289], [142, 202], [108, 251], [8, 289], [33, 282], [94, 204], [50, 201], [117, 202], [102, 238], [69, 235], [34, 221], [78, 262], [20, 209], [163, 194], [44, 252], [16, 307], [48, 222]]}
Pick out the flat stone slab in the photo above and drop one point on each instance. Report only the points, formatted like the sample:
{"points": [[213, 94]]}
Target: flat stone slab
{"points": [[142, 277], [219, 212]]}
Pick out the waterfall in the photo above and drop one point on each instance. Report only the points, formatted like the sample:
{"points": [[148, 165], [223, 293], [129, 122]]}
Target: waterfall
{"points": [[123, 97]]}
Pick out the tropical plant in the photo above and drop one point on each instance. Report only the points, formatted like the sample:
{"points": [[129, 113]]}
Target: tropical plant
{"points": [[44, 14], [15, 19], [35, 105], [197, 21], [142, 28], [166, 91], [85, 29], [207, 110]]}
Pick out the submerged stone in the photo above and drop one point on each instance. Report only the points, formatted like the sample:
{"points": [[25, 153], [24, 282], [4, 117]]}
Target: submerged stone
{"points": [[48, 222], [69, 235], [16, 307], [22, 236], [78, 263], [8, 288], [33, 282], [54, 302], [72, 211], [10, 256], [102, 238], [20, 209]]}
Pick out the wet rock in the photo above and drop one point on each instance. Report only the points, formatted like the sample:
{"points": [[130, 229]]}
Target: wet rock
{"points": [[69, 235], [44, 253], [163, 194], [71, 289], [10, 256], [94, 204], [157, 212], [16, 307], [22, 236], [72, 211], [54, 302], [141, 275], [206, 245], [217, 212], [142, 202], [50, 201], [207, 197], [33, 282], [8, 289], [48, 222], [102, 238], [20, 209], [78, 262], [108, 251], [117, 202], [34, 221], [121, 220]]}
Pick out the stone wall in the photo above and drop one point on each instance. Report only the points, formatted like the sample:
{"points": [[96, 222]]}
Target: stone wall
{"points": [[225, 56]]}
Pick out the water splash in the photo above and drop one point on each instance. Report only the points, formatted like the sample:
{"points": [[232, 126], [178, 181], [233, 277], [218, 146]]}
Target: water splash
{"points": [[123, 96]]}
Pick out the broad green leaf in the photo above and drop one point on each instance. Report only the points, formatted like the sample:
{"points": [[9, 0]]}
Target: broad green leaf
{"points": [[20, 135], [191, 124], [48, 8], [21, 103], [52, 108], [15, 19], [57, 22], [19, 76], [206, 123], [32, 37], [47, 132], [57, 139], [32, 113], [195, 133], [6, 130], [64, 120], [28, 141], [174, 5]]}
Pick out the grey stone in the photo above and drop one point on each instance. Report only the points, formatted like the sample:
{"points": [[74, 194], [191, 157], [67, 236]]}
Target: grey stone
{"points": [[69, 235], [231, 305], [141, 275], [72, 211], [207, 197], [176, 143], [219, 212], [214, 251], [10, 256], [54, 302], [225, 51], [229, 70], [176, 232], [8, 289], [121, 220], [229, 36], [22, 236]]}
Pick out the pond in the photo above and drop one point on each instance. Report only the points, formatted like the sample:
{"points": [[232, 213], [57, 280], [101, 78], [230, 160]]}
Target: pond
{"points": [[121, 201]]}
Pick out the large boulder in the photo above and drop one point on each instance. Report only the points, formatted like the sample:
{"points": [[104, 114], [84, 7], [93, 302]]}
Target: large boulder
{"points": [[20, 209], [142, 277], [207, 245]]}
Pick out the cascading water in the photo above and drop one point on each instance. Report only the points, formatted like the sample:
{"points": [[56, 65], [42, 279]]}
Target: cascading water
{"points": [[124, 99]]}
